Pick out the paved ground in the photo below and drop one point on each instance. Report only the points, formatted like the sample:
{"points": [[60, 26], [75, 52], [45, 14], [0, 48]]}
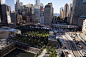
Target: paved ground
{"points": [[43, 53]]}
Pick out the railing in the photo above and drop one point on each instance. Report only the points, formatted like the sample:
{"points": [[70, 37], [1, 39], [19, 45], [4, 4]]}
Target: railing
{"points": [[7, 50], [15, 45]]}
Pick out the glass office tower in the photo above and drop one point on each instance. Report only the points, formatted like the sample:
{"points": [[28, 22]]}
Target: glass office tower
{"points": [[37, 2]]}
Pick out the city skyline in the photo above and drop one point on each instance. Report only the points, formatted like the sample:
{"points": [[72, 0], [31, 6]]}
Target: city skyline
{"points": [[43, 28], [57, 5]]}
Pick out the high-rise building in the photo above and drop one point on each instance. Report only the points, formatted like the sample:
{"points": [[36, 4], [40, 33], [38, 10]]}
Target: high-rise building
{"points": [[79, 10], [21, 4], [5, 14], [61, 9], [37, 2], [28, 5], [48, 13], [63, 14], [2, 1], [84, 27], [41, 14], [69, 13], [37, 13], [66, 11], [41, 7], [19, 18], [42, 17], [83, 34], [12, 10], [8, 12], [18, 4], [17, 7]]}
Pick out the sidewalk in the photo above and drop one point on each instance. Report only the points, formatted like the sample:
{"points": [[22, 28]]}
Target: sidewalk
{"points": [[43, 53]]}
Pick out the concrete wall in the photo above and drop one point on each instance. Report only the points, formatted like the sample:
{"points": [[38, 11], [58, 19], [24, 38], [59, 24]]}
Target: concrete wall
{"points": [[52, 42], [4, 34]]}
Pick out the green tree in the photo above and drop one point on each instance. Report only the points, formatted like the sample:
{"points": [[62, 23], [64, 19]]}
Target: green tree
{"points": [[50, 47], [47, 50], [6, 43], [39, 41], [10, 42], [48, 44], [41, 49], [50, 55], [39, 53], [44, 46], [35, 55]]}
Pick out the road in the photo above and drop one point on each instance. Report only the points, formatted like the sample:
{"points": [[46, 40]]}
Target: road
{"points": [[43, 53], [74, 49]]}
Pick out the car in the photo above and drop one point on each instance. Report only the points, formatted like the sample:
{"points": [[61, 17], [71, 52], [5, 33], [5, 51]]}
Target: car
{"points": [[81, 47], [77, 43], [57, 46]]}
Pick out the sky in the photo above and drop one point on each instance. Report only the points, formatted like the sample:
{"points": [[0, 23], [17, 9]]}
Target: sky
{"points": [[57, 4], [10, 3]]}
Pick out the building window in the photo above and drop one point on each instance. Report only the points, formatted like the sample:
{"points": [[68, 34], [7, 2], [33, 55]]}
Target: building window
{"points": [[84, 0]]}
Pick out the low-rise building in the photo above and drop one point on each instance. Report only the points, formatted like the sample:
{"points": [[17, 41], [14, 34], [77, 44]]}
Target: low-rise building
{"points": [[51, 33], [83, 52], [6, 35], [83, 34], [64, 26], [52, 40], [6, 32]]}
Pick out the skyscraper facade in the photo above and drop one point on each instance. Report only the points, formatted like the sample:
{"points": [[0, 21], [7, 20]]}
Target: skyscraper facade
{"points": [[37, 2], [63, 14], [37, 11], [61, 9], [11, 4], [8, 12], [17, 7], [28, 5], [5, 14], [79, 9], [66, 11], [41, 14], [83, 34], [48, 13], [69, 13], [41, 7]]}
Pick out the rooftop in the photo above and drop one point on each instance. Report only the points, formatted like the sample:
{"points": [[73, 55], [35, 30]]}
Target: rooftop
{"points": [[8, 29], [52, 37], [83, 16]]}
